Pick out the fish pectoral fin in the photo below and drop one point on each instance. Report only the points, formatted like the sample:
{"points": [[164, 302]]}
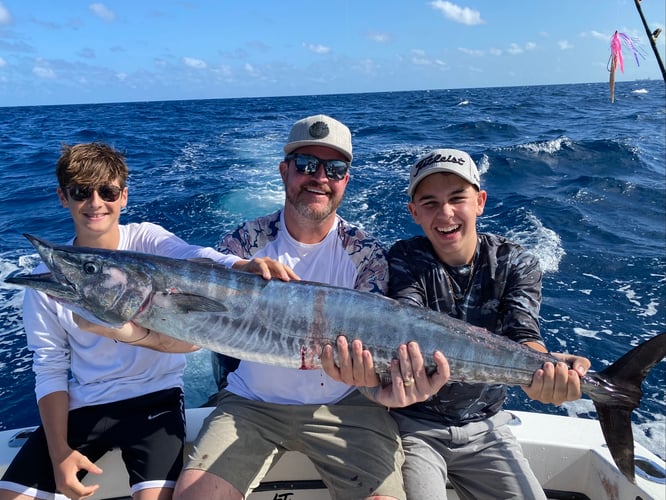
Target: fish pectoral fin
{"points": [[186, 303]]}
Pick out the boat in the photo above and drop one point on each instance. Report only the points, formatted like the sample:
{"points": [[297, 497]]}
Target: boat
{"points": [[568, 455]]}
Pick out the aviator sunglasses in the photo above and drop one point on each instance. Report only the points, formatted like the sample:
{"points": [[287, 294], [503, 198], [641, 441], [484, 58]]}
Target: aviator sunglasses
{"points": [[108, 192], [307, 165]]}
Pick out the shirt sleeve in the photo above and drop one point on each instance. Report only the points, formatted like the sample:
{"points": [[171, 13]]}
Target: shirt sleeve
{"points": [[169, 245], [48, 341], [522, 299], [404, 286]]}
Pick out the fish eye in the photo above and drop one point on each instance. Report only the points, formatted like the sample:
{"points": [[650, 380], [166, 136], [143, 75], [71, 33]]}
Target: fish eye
{"points": [[90, 268]]}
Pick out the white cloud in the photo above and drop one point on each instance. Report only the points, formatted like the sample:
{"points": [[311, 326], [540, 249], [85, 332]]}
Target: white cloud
{"points": [[2, 62], [378, 37], [42, 72], [251, 70], [530, 46], [5, 16], [565, 45], [515, 49], [495, 52], [103, 12], [596, 34], [463, 15], [194, 63], [472, 52], [317, 48]]}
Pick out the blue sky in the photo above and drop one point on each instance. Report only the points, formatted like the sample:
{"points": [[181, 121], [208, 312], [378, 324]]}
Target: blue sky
{"points": [[65, 52]]}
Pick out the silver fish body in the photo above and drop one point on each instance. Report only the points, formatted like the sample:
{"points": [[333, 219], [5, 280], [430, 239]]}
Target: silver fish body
{"points": [[288, 323]]}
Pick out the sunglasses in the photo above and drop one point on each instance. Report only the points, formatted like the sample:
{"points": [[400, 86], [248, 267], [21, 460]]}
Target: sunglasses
{"points": [[108, 192], [307, 165]]}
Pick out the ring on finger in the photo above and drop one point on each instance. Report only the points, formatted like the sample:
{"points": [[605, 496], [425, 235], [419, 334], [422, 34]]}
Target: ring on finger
{"points": [[408, 381]]}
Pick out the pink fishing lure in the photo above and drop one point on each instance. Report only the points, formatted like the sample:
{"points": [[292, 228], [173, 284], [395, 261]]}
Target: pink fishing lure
{"points": [[616, 59]]}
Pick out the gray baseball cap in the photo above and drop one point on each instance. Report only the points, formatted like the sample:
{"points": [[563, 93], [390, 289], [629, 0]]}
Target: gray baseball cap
{"points": [[320, 130], [451, 161]]}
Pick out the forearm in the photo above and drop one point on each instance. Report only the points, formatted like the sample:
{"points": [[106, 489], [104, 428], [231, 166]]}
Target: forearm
{"points": [[133, 334], [54, 412], [157, 341]]}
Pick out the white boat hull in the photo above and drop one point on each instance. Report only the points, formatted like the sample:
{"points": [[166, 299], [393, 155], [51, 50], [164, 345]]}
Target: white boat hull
{"points": [[568, 455]]}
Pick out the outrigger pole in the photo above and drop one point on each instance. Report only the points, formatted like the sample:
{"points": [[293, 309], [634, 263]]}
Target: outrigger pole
{"points": [[652, 36]]}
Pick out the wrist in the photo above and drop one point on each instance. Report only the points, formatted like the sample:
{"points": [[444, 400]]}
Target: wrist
{"points": [[148, 332]]}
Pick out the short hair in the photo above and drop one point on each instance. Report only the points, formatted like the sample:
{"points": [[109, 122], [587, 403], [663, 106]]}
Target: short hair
{"points": [[91, 164]]}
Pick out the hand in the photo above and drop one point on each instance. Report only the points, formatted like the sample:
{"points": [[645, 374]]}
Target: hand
{"points": [[65, 470], [557, 383], [409, 382], [266, 268]]}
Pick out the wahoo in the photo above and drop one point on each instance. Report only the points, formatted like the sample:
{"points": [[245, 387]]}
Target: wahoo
{"points": [[288, 323]]}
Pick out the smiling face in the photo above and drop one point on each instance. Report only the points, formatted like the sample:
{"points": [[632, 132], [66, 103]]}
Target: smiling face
{"points": [[446, 207], [312, 199], [95, 220]]}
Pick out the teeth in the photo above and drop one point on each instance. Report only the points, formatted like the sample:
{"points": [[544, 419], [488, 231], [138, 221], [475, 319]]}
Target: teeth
{"points": [[315, 191], [448, 229]]}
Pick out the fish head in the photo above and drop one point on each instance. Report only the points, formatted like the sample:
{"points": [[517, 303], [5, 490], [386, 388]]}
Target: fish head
{"points": [[100, 285]]}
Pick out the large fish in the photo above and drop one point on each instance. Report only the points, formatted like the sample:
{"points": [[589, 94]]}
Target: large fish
{"points": [[287, 323]]}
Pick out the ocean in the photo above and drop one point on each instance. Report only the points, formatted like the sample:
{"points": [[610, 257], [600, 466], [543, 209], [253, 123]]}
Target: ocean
{"points": [[578, 180]]}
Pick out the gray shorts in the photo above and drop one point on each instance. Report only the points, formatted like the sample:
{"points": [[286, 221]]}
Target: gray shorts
{"points": [[483, 460], [353, 444]]}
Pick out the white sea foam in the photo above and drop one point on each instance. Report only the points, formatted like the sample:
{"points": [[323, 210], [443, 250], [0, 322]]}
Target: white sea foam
{"points": [[544, 242], [550, 147], [593, 334]]}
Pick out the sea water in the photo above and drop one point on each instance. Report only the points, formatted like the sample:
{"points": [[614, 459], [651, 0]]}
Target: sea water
{"points": [[574, 178]]}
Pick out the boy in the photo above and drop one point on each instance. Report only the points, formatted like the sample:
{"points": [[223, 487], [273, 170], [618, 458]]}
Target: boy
{"points": [[117, 395]]}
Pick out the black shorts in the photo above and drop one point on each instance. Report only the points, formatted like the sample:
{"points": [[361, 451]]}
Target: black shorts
{"points": [[149, 430]]}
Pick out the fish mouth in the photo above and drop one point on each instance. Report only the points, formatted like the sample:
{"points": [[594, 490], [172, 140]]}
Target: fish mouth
{"points": [[47, 283], [53, 283]]}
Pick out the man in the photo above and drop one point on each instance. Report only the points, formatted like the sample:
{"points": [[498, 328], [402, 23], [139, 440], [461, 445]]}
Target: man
{"points": [[461, 432], [266, 410]]}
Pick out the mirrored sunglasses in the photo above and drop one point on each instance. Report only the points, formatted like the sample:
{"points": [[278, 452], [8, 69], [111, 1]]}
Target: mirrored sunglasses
{"points": [[307, 165], [108, 192]]}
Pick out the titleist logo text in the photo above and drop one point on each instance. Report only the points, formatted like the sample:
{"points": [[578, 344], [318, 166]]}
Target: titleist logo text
{"points": [[437, 159]]}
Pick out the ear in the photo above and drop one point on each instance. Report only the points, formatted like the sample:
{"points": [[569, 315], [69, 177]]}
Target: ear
{"points": [[412, 210], [64, 201], [284, 166], [123, 198], [481, 202]]}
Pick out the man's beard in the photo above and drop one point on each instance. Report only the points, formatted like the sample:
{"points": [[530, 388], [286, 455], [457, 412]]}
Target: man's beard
{"points": [[309, 212]]}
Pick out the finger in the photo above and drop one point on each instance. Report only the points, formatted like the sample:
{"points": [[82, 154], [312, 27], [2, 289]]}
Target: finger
{"points": [[362, 365], [581, 365], [535, 389], [345, 362], [417, 363], [328, 363], [405, 366], [561, 383], [397, 380], [443, 373], [291, 273], [573, 386]]}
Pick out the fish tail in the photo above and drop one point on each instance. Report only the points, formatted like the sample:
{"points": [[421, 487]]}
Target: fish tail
{"points": [[621, 394]]}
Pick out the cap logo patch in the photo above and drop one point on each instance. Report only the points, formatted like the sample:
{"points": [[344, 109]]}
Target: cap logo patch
{"points": [[426, 162], [318, 130]]}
